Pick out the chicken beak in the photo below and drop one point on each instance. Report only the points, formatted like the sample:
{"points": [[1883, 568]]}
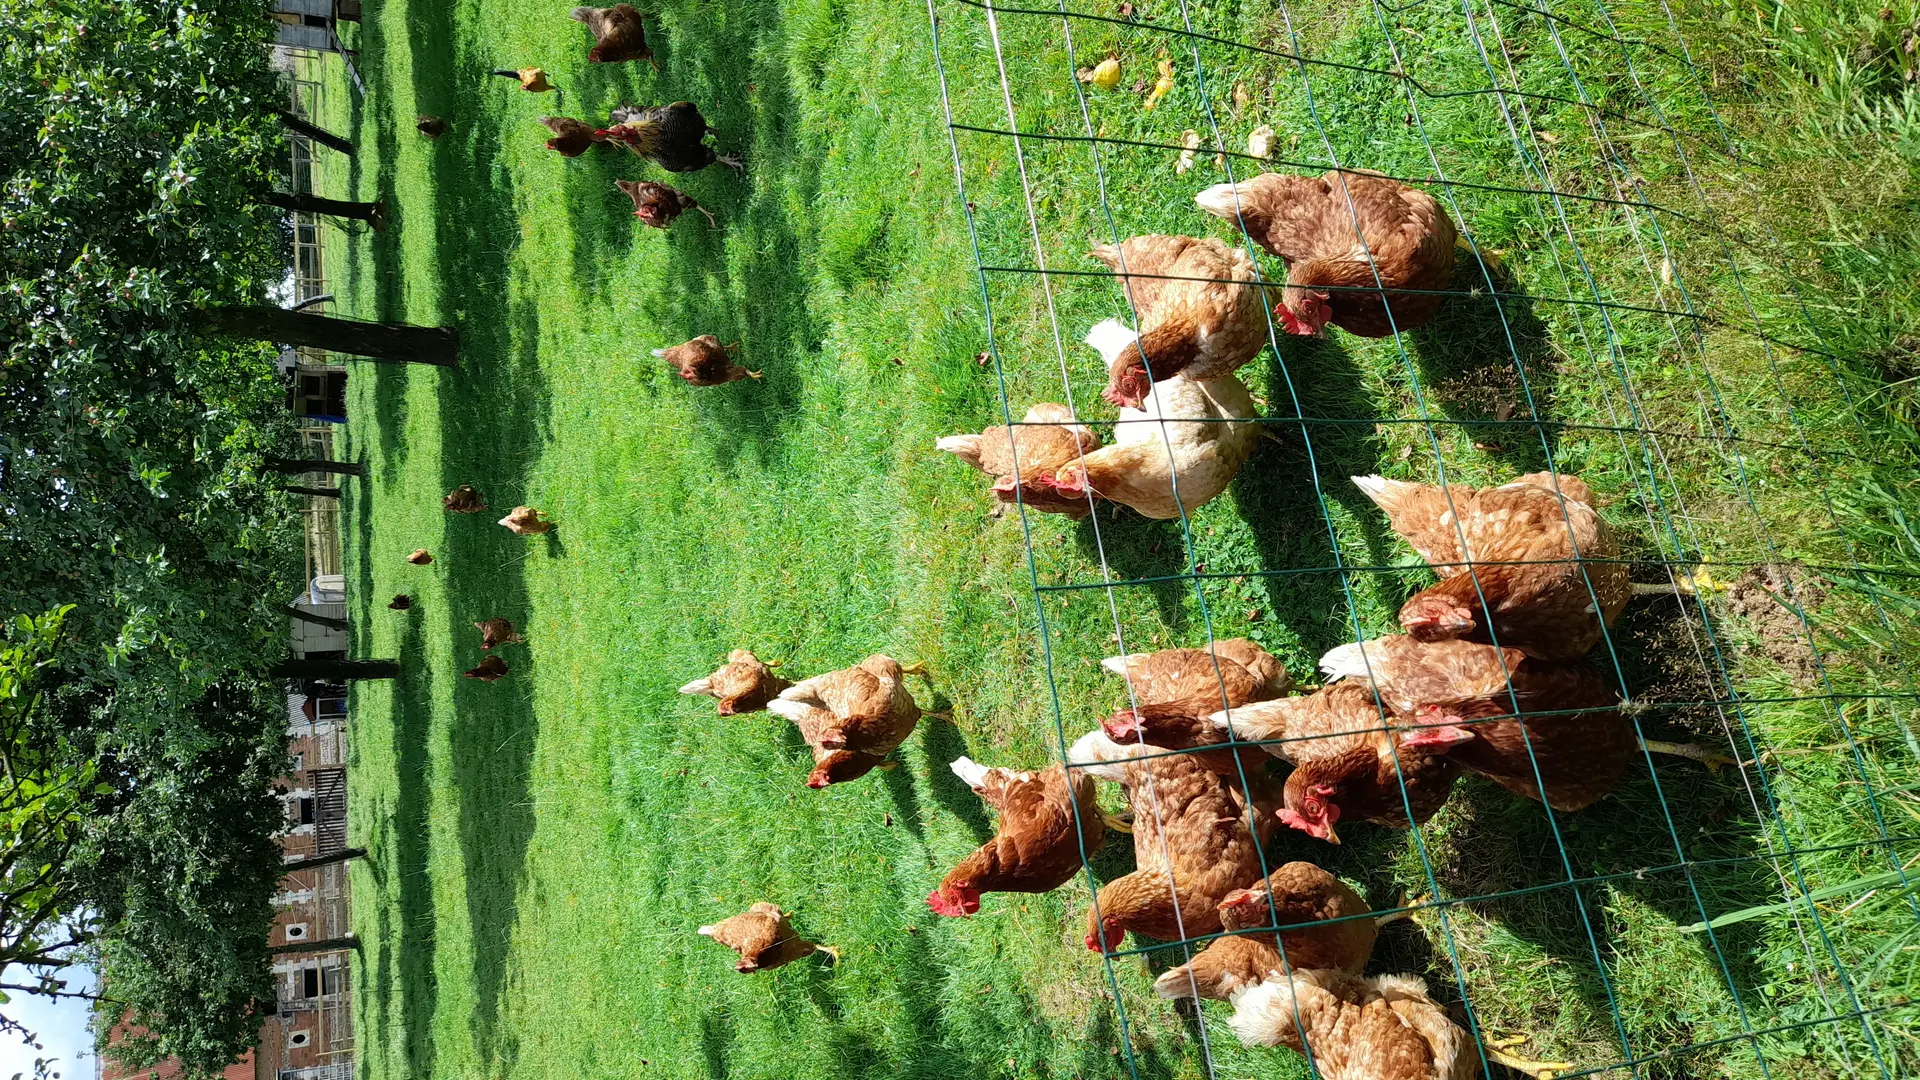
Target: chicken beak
{"points": [[1332, 837]]}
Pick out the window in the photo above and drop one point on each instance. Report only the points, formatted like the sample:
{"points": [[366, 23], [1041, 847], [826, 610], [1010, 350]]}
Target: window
{"points": [[310, 982], [299, 762], [297, 931], [306, 811], [298, 1039]]}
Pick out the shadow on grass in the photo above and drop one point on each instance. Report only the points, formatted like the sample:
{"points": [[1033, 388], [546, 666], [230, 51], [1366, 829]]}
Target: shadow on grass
{"points": [[762, 300], [1486, 358], [493, 407], [1140, 549], [1276, 496], [944, 744], [412, 724]]}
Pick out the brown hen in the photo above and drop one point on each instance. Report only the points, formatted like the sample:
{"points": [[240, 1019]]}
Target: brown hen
{"points": [[659, 205], [765, 939], [872, 711], [495, 632], [743, 684], [1297, 893], [618, 35], [1310, 221], [1346, 763], [1195, 318], [705, 362], [1046, 824], [1554, 609], [1175, 690], [463, 500], [571, 137], [1046, 439], [1191, 845], [1569, 728]]}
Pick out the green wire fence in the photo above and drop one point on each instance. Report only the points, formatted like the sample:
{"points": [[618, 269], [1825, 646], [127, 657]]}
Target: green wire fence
{"points": [[1680, 369]]}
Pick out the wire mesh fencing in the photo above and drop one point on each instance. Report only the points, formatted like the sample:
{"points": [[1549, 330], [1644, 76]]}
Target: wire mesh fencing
{"points": [[1620, 312]]}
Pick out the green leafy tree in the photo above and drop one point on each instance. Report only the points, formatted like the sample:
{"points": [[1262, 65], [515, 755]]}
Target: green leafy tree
{"points": [[139, 148]]}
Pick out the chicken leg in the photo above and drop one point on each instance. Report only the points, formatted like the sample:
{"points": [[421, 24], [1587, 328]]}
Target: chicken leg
{"points": [[1712, 759], [1539, 1070]]}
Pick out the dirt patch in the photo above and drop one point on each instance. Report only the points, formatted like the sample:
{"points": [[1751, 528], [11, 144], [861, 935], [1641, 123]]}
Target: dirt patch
{"points": [[1765, 597]]}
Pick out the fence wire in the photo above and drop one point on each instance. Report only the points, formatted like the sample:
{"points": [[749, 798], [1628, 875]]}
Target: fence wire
{"points": [[1703, 396]]}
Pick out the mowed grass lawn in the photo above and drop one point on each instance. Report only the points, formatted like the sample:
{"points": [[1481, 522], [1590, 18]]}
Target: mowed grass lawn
{"points": [[543, 847]]}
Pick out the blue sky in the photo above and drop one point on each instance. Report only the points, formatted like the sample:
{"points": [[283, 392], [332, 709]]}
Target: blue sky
{"points": [[61, 1025]]}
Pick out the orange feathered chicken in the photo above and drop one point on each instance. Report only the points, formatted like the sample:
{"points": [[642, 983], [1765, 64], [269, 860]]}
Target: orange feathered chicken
{"points": [[741, 685], [1325, 227], [705, 362], [1297, 894], [1504, 714], [658, 205], [1191, 845], [1201, 312], [1046, 823], [571, 137], [1347, 762], [1175, 690], [1046, 439], [764, 937], [1527, 545]]}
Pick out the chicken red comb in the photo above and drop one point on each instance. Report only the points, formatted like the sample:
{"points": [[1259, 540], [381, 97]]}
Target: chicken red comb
{"points": [[1290, 322], [1122, 726], [958, 906], [1437, 739]]}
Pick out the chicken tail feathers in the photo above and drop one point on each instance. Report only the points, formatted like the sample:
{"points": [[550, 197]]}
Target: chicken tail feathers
{"points": [[964, 447], [970, 772], [1346, 661], [698, 687], [1174, 983], [1388, 495], [708, 930], [581, 14]]}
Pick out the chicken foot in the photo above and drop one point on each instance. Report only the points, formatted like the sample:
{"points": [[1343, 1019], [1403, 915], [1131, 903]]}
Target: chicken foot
{"points": [[1688, 583], [1114, 821], [1707, 756], [1539, 1070]]}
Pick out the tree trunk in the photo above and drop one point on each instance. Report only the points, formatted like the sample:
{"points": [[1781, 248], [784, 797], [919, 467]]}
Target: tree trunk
{"points": [[328, 945], [391, 342], [316, 492], [295, 467], [294, 667], [316, 133], [306, 616], [370, 212], [318, 861]]}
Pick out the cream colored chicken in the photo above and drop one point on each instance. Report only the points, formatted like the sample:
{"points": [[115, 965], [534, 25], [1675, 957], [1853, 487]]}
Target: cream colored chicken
{"points": [[743, 684], [1385, 1027], [1172, 454], [1194, 319], [1046, 439]]}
